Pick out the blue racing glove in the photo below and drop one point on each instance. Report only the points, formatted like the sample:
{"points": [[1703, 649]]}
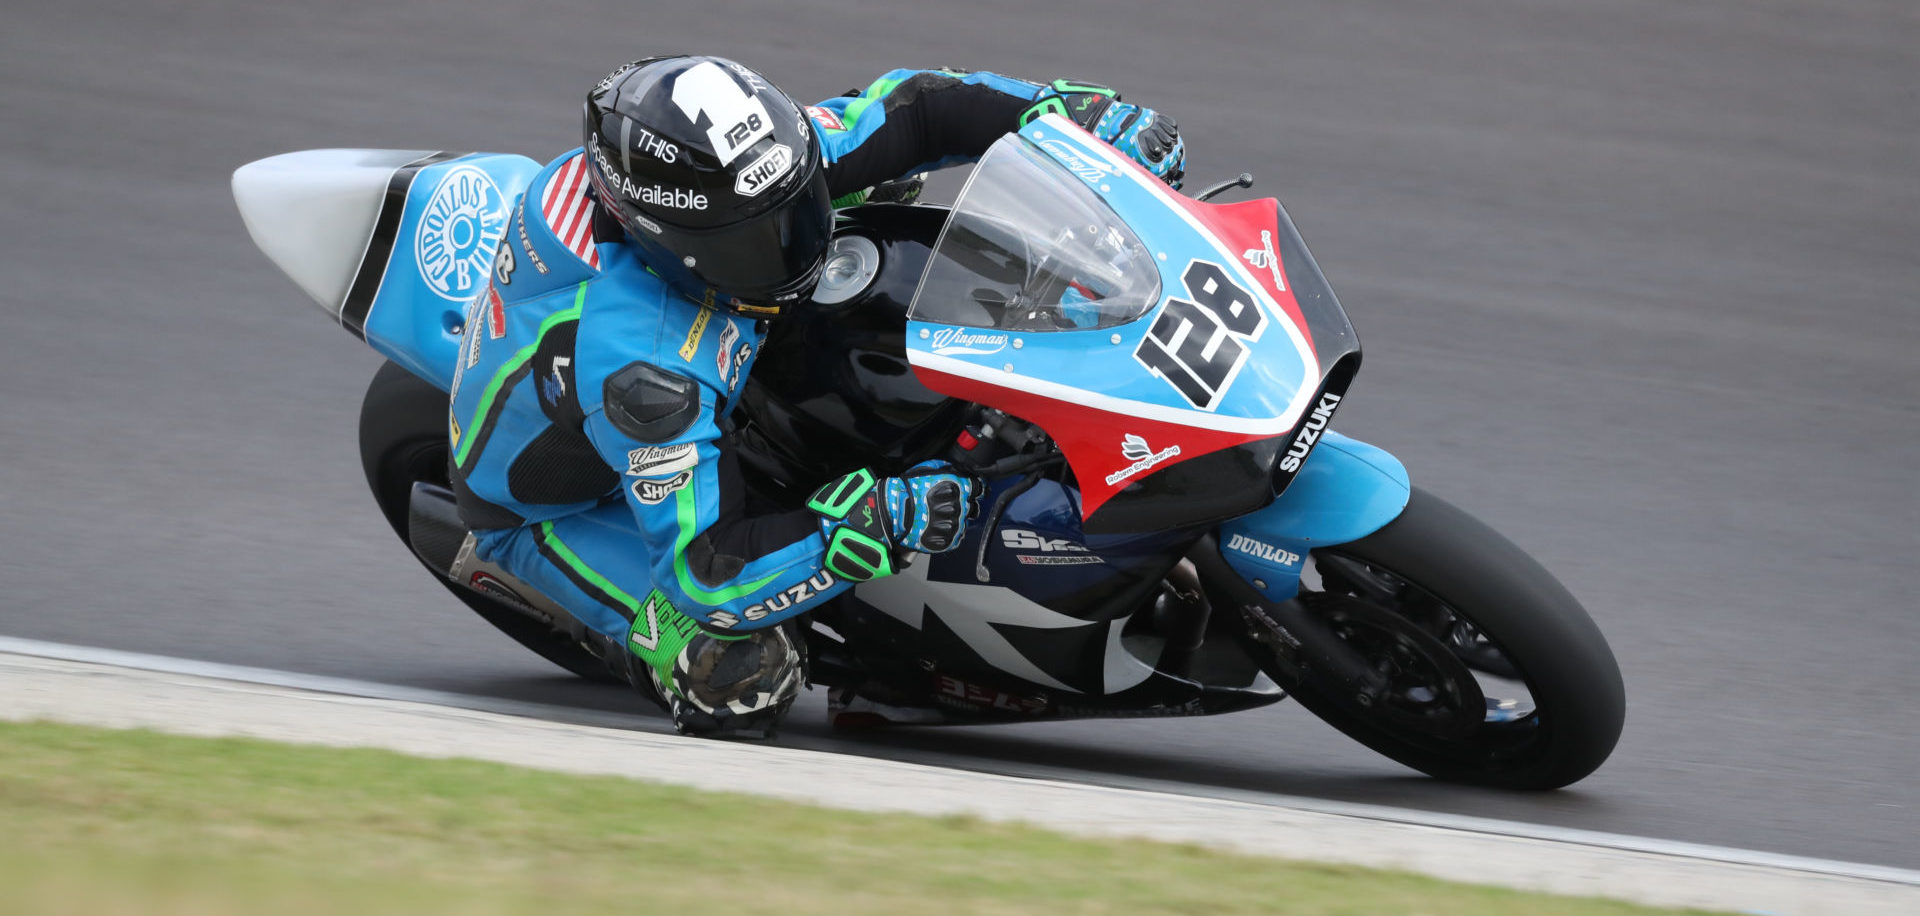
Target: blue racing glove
{"points": [[1146, 136], [871, 524]]}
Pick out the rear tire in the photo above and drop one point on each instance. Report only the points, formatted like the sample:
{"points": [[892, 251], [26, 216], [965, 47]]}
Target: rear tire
{"points": [[403, 439], [1477, 607]]}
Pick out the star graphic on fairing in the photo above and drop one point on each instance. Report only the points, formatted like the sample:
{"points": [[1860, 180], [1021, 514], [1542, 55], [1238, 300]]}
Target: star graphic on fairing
{"points": [[971, 612]]}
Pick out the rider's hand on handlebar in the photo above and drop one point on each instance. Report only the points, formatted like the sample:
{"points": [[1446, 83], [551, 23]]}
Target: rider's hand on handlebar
{"points": [[929, 506], [872, 523], [1149, 137]]}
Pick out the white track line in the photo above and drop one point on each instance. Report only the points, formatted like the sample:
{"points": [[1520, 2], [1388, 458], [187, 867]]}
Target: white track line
{"points": [[320, 683], [1457, 847]]}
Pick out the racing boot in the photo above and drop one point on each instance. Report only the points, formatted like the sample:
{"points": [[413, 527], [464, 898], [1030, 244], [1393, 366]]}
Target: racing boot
{"points": [[711, 685], [736, 686]]}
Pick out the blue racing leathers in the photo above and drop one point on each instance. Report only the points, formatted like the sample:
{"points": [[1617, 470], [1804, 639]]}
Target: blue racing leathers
{"points": [[590, 404]]}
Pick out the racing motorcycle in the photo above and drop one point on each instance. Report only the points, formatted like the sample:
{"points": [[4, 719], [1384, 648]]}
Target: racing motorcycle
{"points": [[1144, 380]]}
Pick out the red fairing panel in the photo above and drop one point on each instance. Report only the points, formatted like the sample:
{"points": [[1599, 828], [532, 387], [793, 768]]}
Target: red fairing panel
{"points": [[1247, 227], [1106, 450]]}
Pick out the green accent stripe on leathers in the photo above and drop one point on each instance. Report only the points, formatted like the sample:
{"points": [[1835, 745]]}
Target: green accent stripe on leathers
{"points": [[494, 398], [859, 106], [658, 632], [687, 506], [570, 562]]}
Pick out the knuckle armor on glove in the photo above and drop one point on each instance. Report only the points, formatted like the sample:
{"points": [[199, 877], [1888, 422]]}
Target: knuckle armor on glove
{"points": [[1149, 137], [871, 524], [1143, 134]]}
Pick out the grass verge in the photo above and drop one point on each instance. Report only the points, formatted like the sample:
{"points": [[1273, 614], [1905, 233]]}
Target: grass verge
{"points": [[99, 821]]}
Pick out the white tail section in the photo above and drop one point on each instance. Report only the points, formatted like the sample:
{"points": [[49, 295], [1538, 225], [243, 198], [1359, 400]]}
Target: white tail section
{"points": [[313, 212]]}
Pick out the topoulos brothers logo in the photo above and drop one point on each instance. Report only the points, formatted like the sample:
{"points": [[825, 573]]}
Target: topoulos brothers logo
{"points": [[949, 341], [458, 232]]}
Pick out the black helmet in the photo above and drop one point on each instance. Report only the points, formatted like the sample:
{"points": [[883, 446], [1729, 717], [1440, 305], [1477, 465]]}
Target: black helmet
{"points": [[716, 175]]}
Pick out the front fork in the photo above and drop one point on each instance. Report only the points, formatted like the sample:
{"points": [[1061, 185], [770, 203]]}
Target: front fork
{"points": [[1346, 490]]}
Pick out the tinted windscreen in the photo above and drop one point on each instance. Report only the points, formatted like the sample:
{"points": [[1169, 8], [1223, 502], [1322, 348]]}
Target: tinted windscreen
{"points": [[1030, 247]]}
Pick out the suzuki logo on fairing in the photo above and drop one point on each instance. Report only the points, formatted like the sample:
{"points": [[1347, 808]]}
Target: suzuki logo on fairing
{"points": [[949, 341], [1310, 433], [1135, 449], [1263, 550]]}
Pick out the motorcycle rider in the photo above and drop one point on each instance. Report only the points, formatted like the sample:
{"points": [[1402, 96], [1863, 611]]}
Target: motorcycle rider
{"points": [[628, 300]]}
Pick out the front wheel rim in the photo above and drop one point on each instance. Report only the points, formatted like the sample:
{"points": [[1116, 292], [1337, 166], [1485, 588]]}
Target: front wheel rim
{"points": [[1402, 629]]}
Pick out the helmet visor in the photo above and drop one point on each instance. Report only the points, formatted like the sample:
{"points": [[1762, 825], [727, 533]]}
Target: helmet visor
{"points": [[762, 258]]}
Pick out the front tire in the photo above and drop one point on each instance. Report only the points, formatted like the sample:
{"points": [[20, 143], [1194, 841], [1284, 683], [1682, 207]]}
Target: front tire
{"points": [[1456, 615], [403, 440]]}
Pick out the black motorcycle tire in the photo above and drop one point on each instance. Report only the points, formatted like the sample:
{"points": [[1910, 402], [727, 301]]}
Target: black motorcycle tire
{"points": [[1523, 610], [403, 440]]}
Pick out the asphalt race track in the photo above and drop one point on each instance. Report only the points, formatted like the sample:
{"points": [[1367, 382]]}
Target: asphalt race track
{"points": [[1636, 283]]}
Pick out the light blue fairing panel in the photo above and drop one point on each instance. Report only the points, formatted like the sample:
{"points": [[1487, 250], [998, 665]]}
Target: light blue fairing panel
{"points": [[1345, 491], [442, 251]]}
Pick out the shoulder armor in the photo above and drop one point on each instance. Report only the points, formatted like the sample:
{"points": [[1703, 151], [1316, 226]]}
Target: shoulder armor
{"points": [[649, 403]]}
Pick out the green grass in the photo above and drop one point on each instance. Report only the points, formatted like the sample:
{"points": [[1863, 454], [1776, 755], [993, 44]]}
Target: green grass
{"points": [[97, 821]]}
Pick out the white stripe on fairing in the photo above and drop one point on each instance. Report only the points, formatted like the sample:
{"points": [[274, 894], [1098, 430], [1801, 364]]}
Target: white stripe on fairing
{"points": [[1159, 189], [1255, 426]]}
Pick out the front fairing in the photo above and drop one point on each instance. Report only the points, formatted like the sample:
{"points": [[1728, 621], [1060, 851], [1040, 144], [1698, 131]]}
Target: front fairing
{"points": [[1176, 350]]}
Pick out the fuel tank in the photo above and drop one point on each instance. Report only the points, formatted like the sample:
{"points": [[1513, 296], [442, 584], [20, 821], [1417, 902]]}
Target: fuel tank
{"points": [[833, 390]]}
